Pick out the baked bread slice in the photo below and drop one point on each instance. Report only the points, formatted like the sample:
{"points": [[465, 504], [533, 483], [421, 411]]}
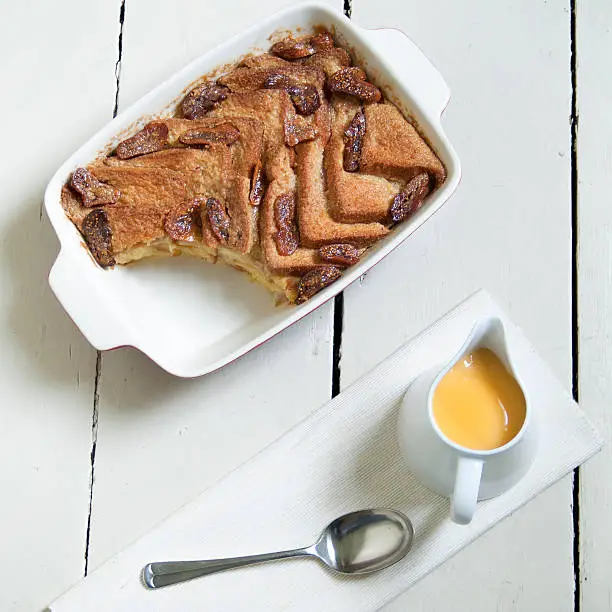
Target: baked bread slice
{"points": [[302, 259], [393, 148], [317, 226], [274, 110], [354, 197], [201, 170], [134, 227]]}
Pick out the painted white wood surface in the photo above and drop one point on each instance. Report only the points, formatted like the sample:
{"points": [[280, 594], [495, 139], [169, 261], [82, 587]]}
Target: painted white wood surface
{"points": [[594, 48], [162, 440], [58, 86], [507, 65]]}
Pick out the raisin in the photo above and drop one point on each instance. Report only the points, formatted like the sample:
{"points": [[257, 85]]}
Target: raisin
{"points": [[98, 236], [340, 254], [224, 133], [296, 48], [323, 41], [284, 210], [258, 185], [93, 191], [293, 48], [305, 98], [181, 223], [277, 81], [153, 137], [218, 218], [202, 99], [287, 241], [353, 81], [298, 130], [312, 282], [353, 141], [410, 198], [287, 237]]}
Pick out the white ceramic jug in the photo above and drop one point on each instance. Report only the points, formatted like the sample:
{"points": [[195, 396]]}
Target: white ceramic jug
{"points": [[463, 474]]}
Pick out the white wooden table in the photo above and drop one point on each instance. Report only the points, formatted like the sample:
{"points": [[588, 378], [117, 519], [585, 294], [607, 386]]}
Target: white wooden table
{"points": [[96, 449]]}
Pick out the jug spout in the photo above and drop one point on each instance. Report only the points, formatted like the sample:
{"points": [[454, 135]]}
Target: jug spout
{"points": [[488, 333]]}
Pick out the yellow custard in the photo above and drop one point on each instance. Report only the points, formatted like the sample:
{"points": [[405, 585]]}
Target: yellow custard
{"points": [[478, 404]]}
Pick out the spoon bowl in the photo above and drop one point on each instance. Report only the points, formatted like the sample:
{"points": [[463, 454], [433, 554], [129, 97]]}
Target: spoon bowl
{"points": [[365, 541], [356, 543]]}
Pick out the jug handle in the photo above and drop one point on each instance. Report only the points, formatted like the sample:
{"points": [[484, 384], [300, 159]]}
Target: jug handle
{"points": [[465, 493]]}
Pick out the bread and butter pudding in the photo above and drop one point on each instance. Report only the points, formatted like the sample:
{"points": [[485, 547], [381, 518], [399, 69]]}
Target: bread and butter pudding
{"points": [[288, 167]]}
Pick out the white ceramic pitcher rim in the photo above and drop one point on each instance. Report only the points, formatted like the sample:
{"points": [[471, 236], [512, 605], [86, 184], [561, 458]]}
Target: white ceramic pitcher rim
{"points": [[458, 354]]}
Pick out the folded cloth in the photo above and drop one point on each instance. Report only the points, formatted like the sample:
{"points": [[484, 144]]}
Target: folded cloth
{"points": [[343, 457]]}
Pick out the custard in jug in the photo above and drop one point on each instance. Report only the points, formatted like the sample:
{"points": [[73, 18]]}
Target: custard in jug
{"points": [[478, 404]]}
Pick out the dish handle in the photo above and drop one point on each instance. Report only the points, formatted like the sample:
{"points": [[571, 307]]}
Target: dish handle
{"points": [[420, 77], [104, 331]]}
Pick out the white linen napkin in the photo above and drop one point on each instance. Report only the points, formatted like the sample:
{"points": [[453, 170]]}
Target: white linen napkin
{"points": [[343, 457]]}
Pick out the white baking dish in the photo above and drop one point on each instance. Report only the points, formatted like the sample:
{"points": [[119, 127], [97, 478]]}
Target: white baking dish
{"points": [[192, 317]]}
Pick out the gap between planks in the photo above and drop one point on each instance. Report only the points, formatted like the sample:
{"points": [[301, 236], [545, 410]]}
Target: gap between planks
{"points": [[92, 456], [98, 373], [339, 299], [574, 285]]}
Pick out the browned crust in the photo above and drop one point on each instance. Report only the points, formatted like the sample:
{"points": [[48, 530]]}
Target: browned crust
{"points": [[202, 170], [354, 197], [147, 196], [296, 264], [329, 61], [317, 227], [271, 108], [263, 60], [244, 79], [246, 150], [392, 147], [239, 162]]}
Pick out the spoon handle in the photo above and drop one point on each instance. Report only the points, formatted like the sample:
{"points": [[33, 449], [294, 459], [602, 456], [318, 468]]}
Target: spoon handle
{"points": [[164, 573]]}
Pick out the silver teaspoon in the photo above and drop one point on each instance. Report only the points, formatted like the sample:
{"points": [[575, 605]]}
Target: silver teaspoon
{"points": [[356, 543]]}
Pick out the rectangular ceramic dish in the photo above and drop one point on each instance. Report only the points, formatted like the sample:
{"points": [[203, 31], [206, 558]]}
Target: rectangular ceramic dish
{"points": [[192, 317]]}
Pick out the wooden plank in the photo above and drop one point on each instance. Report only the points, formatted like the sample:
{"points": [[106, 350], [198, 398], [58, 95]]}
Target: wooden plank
{"points": [[162, 440], [57, 63], [594, 46], [507, 229]]}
